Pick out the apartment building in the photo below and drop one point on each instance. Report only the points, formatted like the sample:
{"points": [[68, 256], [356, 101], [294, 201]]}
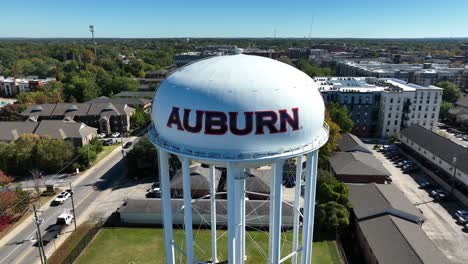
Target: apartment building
{"points": [[380, 107], [10, 86], [425, 74]]}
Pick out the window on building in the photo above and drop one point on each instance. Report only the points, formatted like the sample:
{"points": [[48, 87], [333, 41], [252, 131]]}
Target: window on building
{"points": [[388, 122], [432, 115], [396, 122], [419, 108], [389, 115], [391, 100]]}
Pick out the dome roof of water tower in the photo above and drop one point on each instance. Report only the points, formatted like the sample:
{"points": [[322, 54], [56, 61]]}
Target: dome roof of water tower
{"points": [[238, 107]]}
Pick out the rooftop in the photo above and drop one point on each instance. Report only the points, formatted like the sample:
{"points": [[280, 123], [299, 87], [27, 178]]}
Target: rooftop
{"points": [[391, 225], [367, 85]]}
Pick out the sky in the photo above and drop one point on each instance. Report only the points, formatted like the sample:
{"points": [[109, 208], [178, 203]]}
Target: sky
{"points": [[243, 18]]}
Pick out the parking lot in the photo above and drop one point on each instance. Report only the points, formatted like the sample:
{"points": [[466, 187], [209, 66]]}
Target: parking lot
{"points": [[441, 225], [453, 134]]}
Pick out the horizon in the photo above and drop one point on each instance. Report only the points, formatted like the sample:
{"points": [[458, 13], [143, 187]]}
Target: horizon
{"points": [[336, 19]]}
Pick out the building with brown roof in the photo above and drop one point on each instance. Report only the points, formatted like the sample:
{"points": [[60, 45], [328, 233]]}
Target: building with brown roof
{"points": [[387, 227]]}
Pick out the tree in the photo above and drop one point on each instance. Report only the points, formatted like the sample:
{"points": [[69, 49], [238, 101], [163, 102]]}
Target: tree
{"points": [[451, 92], [7, 200], [81, 88], [334, 134], [339, 115], [19, 155], [329, 189], [140, 117], [5, 180], [332, 216], [87, 154], [394, 137], [444, 110], [313, 70], [142, 160], [53, 154], [120, 84], [11, 112]]}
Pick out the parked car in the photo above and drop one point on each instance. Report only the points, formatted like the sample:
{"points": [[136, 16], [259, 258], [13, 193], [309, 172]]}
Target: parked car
{"points": [[108, 142], [426, 185], [127, 145], [440, 195], [410, 168], [403, 163], [102, 135], [462, 216], [62, 197], [153, 193], [116, 135]]}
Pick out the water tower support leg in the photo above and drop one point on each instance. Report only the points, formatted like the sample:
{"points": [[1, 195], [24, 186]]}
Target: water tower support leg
{"points": [[275, 202], [214, 257], [167, 208], [187, 209], [234, 191], [297, 205], [309, 207], [242, 215]]}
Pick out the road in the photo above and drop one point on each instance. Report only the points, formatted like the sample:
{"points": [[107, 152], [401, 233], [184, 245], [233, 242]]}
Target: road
{"points": [[440, 226], [104, 176]]}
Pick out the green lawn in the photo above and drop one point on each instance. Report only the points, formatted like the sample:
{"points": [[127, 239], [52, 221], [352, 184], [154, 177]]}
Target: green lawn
{"points": [[106, 150], [145, 245]]}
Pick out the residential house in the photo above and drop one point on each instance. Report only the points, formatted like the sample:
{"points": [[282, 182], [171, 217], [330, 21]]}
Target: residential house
{"points": [[10, 131], [78, 134]]}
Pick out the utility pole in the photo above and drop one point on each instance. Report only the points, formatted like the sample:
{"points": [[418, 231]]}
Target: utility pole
{"points": [[41, 245], [73, 205], [40, 251], [454, 161], [91, 29]]}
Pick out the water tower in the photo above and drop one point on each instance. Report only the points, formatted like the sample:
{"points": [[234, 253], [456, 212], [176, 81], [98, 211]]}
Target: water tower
{"points": [[240, 112]]}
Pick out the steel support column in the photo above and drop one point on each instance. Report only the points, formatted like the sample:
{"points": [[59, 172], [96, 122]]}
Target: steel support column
{"points": [[214, 257], [309, 207], [166, 204], [297, 206], [187, 210]]}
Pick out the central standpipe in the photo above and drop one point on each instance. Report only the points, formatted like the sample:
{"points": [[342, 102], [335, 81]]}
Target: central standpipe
{"points": [[236, 220], [214, 257], [276, 196]]}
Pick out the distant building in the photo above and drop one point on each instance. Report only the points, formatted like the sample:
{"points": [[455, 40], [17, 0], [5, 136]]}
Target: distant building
{"points": [[78, 134], [10, 86], [380, 107], [135, 94], [106, 117], [132, 102], [387, 227], [421, 74]]}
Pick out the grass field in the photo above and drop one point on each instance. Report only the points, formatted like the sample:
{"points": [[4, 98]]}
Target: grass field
{"points": [[145, 245], [106, 150]]}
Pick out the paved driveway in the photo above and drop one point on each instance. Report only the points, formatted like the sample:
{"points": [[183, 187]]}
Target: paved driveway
{"points": [[440, 226]]}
